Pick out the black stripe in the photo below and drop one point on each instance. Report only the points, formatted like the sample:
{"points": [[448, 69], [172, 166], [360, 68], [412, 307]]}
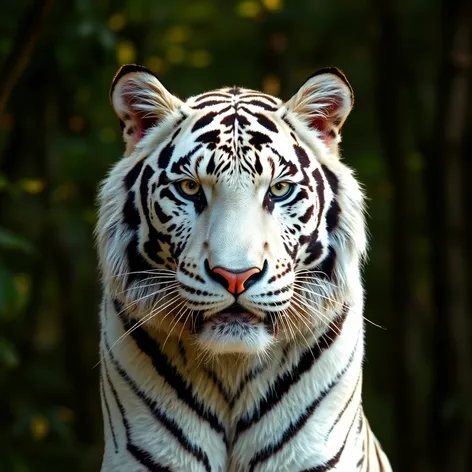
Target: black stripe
{"points": [[361, 424], [377, 454], [341, 413], [160, 416], [179, 164], [294, 428], [247, 378], [138, 266], [209, 103], [330, 464], [326, 266], [335, 459], [332, 216], [297, 197], [258, 95], [320, 192], [211, 165], [204, 96], [165, 155], [307, 216], [130, 212], [283, 383], [108, 414], [133, 174], [314, 248], [266, 122], [141, 456], [182, 352], [168, 372], [258, 139], [219, 385], [360, 462], [259, 103], [204, 121], [332, 179], [151, 246], [212, 136]]}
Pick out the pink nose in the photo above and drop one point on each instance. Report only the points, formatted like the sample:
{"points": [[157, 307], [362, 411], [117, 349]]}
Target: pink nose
{"points": [[236, 280]]}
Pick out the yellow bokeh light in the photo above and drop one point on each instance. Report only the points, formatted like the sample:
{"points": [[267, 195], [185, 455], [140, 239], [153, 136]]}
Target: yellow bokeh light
{"points": [[248, 9], [117, 22], [23, 284], [272, 5], [39, 427], [200, 59], [156, 64], [65, 414], [32, 186], [178, 34], [125, 52], [271, 85], [175, 55]]}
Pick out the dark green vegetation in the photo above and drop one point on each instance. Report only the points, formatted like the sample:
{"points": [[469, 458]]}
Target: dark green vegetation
{"points": [[409, 63]]}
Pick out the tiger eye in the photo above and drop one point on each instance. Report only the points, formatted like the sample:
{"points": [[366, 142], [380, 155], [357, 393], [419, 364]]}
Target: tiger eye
{"points": [[189, 187], [280, 190]]}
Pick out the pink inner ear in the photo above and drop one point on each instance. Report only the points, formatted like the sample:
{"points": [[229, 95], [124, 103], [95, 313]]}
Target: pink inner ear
{"points": [[139, 122], [325, 123], [324, 126], [320, 123]]}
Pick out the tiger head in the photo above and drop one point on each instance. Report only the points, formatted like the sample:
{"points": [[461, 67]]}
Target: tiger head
{"points": [[231, 219]]}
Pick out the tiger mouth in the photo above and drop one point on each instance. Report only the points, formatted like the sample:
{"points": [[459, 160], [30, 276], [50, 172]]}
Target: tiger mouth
{"points": [[235, 314], [235, 317]]}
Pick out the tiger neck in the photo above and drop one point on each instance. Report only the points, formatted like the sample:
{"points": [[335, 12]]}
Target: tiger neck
{"points": [[231, 402], [227, 379]]}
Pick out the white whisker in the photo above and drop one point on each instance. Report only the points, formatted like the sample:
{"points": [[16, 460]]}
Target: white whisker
{"points": [[142, 287], [142, 321]]}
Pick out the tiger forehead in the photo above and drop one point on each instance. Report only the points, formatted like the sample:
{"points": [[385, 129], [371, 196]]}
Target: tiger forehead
{"points": [[230, 129], [234, 119], [235, 96]]}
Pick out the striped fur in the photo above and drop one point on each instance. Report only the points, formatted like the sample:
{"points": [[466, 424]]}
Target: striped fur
{"points": [[197, 377]]}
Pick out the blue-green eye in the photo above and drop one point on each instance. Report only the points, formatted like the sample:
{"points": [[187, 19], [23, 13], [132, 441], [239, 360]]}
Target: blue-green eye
{"points": [[281, 190]]}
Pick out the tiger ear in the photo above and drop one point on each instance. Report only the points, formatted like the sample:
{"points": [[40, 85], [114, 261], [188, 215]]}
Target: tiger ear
{"points": [[140, 101], [324, 102]]}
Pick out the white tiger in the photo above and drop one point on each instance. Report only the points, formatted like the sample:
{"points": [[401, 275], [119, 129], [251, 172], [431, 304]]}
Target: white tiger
{"points": [[230, 238]]}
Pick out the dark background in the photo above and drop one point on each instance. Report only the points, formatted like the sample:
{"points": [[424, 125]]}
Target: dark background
{"points": [[410, 64]]}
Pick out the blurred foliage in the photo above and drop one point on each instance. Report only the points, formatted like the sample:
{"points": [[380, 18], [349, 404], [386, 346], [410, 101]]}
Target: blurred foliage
{"points": [[58, 138]]}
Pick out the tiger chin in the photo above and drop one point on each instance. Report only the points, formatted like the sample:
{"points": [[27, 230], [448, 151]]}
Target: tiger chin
{"points": [[230, 239]]}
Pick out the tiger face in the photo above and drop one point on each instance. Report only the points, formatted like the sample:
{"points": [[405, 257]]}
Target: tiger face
{"points": [[231, 220]]}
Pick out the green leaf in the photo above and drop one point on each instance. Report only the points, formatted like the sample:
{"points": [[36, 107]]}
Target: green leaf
{"points": [[8, 354], [9, 295], [11, 241], [3, 182]]}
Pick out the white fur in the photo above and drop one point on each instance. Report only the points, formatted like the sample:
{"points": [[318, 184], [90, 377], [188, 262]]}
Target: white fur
{"points": [[217, 370]]}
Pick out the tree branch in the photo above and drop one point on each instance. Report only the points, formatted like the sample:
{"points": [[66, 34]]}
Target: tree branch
{"points": [[27, 36]]}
